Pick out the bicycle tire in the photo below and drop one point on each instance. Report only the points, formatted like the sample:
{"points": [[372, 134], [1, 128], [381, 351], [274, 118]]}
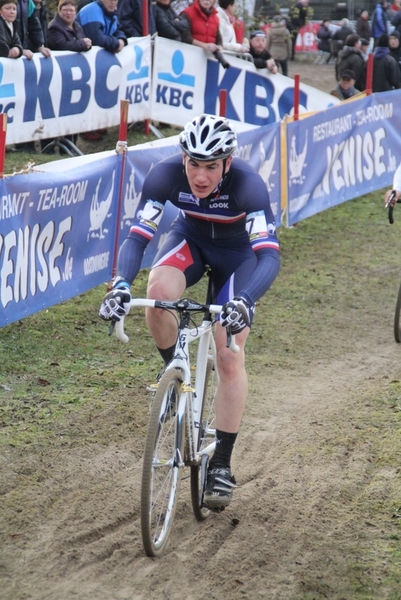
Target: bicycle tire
{"points": [[206, 436], [162, 466], [397, 315]]}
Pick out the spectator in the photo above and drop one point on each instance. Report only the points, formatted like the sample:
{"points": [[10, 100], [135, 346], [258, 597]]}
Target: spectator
{"points": [[396, 21], [168, 25], [279, 43], [225, 10], [130, 17], [65, 33], [379, 21], [346, 86], [41, 13], [261, 56], [363, 28], [30, 30], [365, 44], [203, 22], [343, 31], [10, 43], [339, 36], [101, 25], [323, 38], [299, 13], [386, 74], [395, 48], [350, 58]]}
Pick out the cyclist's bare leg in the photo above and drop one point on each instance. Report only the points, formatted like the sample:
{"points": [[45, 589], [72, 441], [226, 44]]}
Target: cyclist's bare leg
{"points": [[165, 283], [232, 391]]}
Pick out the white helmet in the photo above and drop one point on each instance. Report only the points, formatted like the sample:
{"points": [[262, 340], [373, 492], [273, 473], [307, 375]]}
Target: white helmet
{"points": [[207, 138]]}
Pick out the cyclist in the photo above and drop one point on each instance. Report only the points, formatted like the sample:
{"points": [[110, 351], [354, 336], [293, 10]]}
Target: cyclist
{"points": [[225, 221], [396, 188]]}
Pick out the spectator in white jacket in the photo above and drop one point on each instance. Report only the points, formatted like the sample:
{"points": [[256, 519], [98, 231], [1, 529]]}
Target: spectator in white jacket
{"points": [[225, 10]]}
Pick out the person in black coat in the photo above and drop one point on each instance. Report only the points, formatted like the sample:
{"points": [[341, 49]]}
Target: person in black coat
{"points": [[386, 75], [324, 36], [10, 43], [395, 48], [168, 24], [64, 32], [363, 28], [262, 58], [350, 58], [30, 30], [130, 16]]}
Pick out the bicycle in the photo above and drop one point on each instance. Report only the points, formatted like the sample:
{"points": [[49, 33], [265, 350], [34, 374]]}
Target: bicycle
{"points": [[397, 314], [181, 430]]}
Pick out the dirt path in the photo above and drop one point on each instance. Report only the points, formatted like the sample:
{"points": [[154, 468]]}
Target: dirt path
{"points": [[70, 526], [79, 536]]}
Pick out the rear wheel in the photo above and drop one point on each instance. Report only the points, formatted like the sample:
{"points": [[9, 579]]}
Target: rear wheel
{"points": [[206, 436], [162, 464], [397, 315]]}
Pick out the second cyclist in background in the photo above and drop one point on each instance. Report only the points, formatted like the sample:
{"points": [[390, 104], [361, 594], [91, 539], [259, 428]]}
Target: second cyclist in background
{"points": [[395, 192], [225, 221]]}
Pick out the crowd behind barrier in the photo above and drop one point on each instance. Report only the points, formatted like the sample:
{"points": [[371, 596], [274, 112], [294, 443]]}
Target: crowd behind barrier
{"points": [[58, 224]]}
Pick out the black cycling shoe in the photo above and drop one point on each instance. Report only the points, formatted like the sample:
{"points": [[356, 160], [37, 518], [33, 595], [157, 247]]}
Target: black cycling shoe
{"points": [[219, 488]]}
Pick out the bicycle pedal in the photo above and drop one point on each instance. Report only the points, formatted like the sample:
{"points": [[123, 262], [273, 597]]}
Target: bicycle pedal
{"points": [[152, 387]]}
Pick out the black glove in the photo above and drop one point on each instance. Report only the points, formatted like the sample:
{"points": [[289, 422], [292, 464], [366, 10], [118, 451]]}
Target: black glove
{"points": [[116, 304], [237, 314]]}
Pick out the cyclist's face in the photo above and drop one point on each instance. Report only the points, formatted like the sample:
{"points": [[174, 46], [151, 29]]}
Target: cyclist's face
{"points": [[204, 175]]}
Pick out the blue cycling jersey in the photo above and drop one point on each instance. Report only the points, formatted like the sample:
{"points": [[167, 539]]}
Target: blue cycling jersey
{"points": [[233, 226]]}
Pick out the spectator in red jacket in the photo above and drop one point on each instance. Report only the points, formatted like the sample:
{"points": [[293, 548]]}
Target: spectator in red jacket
{"points": [[203, 22]]}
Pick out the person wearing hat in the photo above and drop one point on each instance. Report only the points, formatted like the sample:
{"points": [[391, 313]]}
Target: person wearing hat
{"points": [[10, 43], [386, 74], [64, 32], [395, 47], [279, 43], [261, 56], [346, 86]]}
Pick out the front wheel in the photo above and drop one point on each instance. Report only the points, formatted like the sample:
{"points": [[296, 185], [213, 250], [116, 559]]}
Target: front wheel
{"points": [[207, 436], [397, 328], [162, 464]]}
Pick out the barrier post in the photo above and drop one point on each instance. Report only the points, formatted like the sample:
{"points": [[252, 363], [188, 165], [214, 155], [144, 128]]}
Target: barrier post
{"points": [[296, 96], [223, 103], [3, 132], [121, 150], [369, 74], [145, 31]]}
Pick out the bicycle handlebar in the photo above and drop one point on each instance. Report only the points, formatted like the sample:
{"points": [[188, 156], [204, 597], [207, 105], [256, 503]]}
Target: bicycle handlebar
{"points": [[118, 326]]}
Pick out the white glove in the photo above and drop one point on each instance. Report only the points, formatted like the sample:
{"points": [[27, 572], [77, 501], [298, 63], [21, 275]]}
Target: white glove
{"points": [[237, 314], [115, 304]]}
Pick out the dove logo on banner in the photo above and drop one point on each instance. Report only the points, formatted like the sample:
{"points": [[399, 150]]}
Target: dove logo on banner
{"points": [[138, 91], [172, 87]]}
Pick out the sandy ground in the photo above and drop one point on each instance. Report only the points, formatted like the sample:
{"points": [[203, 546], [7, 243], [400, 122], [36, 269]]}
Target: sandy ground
{"points": [[73, 531]]}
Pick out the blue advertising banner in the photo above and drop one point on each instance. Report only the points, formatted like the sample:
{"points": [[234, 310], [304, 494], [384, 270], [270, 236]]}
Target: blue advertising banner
{"points": [[56, 234], [342, 153]]}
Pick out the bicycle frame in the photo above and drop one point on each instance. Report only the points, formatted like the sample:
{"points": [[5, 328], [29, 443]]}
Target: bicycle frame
{"points": [[181, 361]]}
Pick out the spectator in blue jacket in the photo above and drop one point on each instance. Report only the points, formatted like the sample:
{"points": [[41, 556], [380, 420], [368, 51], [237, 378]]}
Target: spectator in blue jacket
{"points": [[101, 25], [130, 16], [379, 21]]}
